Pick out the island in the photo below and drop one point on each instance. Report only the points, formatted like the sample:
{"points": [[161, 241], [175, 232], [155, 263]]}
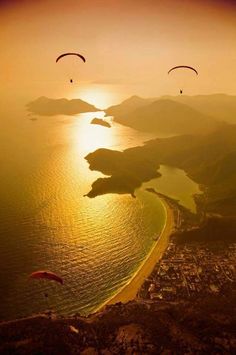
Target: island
{"points": [[45, 106], [100, 122]]}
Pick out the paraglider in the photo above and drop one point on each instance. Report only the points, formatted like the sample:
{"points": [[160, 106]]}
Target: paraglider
{"points": [[66, 54], [46, 275], [183, 67], [71, 54]]}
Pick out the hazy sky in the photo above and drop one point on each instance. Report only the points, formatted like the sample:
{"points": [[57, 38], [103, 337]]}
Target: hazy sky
{"points": [[126, 43]]}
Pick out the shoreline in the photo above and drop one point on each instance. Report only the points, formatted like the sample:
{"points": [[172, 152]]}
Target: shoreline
{"points": [[129, 291]]}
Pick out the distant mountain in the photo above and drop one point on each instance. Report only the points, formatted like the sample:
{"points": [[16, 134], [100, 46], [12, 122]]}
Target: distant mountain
{"points": [[167, 116], [49, 107], [220, 106], [133, 103]]}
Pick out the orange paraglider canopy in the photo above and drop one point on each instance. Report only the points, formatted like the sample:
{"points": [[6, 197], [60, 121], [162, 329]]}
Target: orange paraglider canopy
{"points": [[46, 275]]}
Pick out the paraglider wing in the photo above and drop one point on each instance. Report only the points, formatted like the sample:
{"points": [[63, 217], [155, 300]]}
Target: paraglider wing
{"points": [[183, 66], [46, 275], [76, 54]]}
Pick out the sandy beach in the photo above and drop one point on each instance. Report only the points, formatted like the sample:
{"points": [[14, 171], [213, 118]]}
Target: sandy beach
{"points": [[129, 291]]}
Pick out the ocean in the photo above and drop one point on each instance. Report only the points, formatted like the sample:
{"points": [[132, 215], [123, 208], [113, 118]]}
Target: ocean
{"points": [[95, 245]]}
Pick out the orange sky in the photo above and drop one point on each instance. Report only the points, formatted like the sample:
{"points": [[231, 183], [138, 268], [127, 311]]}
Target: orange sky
{"points": [[125, 42]]}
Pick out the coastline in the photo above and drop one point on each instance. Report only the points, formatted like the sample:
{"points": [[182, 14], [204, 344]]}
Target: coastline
{"points": [[129, 291]]}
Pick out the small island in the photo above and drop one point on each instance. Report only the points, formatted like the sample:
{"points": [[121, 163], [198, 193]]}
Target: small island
{"points": [[100, 122]]}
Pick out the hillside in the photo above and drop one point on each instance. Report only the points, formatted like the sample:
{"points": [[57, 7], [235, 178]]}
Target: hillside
{"points": [[220, 106], [44, 106], [126, 174], [166, 116], [209, 160], [212, 230], [205, 326], [129, 105]]}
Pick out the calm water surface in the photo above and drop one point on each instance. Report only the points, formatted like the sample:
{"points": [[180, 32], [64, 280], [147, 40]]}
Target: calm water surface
{"points": [[176, 184], [46, 223]]}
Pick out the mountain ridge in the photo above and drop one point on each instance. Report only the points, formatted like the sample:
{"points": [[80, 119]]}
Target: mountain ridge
{"points": [[45, 106], [167, 116], [220, 106]]}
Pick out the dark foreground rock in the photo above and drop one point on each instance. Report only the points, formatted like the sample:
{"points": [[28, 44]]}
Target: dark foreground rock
{"points": [[202, 327]]}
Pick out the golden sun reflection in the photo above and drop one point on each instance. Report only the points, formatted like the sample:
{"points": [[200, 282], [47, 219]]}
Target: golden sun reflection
{"points": [[85, 138], [89, 137], [101, 96]]}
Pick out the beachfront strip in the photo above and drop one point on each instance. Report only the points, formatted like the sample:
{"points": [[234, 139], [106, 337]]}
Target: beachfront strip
{"points": [[187, 271]]}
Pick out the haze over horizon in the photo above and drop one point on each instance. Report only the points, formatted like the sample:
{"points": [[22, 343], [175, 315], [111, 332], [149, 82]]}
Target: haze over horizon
{"points": [[129, 47]]}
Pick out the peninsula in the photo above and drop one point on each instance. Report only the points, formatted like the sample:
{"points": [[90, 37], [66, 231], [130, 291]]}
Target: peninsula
{"points": [[208, 159]]}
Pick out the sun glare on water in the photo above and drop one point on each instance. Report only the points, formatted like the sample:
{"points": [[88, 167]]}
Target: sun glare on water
{"points": [[89, 137], [101, 96]]}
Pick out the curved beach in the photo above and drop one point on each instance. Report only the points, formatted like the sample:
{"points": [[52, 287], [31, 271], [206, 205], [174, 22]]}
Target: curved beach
{"points": [[129, 291]]}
